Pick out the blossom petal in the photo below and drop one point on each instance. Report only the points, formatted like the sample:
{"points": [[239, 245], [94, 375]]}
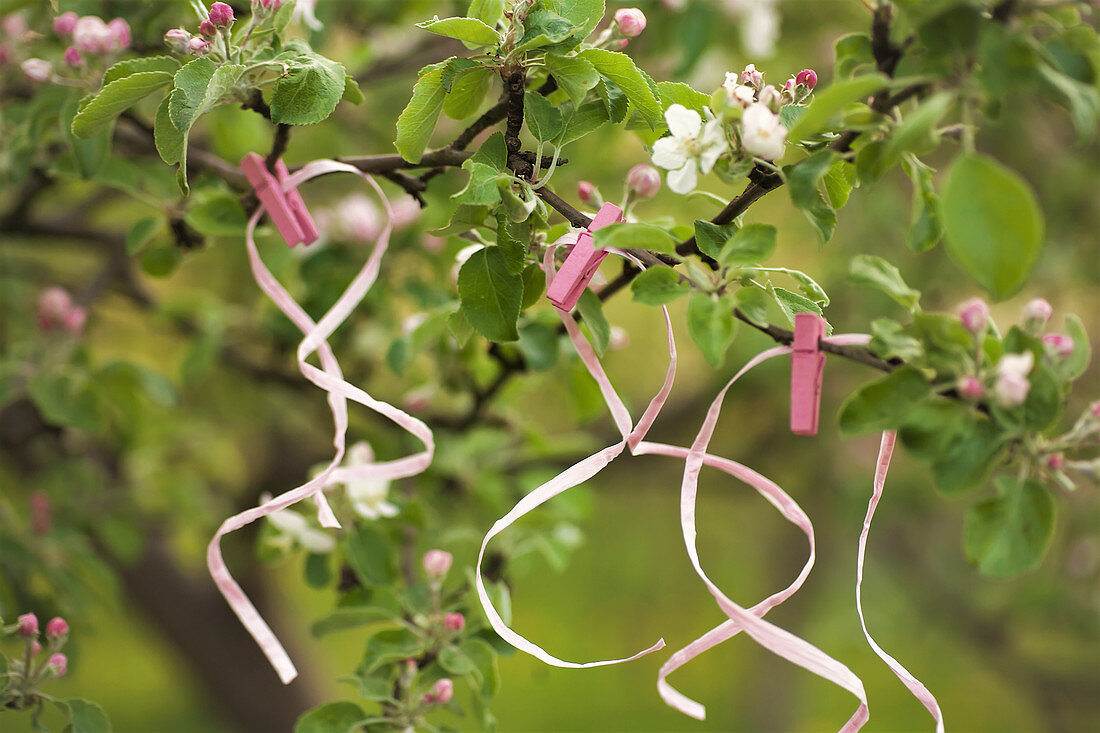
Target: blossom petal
{"points": [[668, 153], [683, 122], [684, 179]]}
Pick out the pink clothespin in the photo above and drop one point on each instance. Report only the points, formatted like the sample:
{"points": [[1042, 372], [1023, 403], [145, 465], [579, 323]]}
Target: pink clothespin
{"points": [[807, 367], [287, 210], [576, 272]]}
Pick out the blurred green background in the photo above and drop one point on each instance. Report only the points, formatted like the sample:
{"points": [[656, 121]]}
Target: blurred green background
{"points": [[1018, 655]]}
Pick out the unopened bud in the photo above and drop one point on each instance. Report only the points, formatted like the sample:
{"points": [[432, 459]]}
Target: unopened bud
{"points": [[221, 15], [120, 34], [751, 77], [198, 46], [1056, 461], [58, 665], [443, 691], [971, 387], [807, 77], [454, 622], [56, 628], [1011, 390], [73, 58], [974, 314], [588, 193], [1059, 343], [644, 181], [28, 625], [630, 22], [178, 40], [37, 70], [1036, 314], [437, 563], [207, 29], [64, 24]]}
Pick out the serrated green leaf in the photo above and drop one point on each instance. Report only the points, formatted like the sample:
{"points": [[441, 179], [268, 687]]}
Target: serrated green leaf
{"points": [[534, 282], [544, 27], [116, 98], [712, 326], [487, 11], [574, 75], [993, 226], [333, 717], [189, 93], [538, 342], [170, 142], [658, 285], [308, 92], [467, 93], [468, 30], [490, 295], [640, 236], [875, 272], [926, 224], [370, 556], [352, 92], [751, 245], [1074, 365], [802, 185], [86, 717], [587, 118], [128, 67], [90, 154], [883, 404], [481, 189], [591, 310], [752, 303], [417, 120], [620, 69], [1010, 534], [674, 92], [711, 237], [828, 103], [542, 117]]}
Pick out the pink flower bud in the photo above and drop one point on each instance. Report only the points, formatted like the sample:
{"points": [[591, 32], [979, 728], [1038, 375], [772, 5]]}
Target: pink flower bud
{"points": [[443, 691], [752, 77], [37, 70], [58, 665], [73, 57], [28, 625], [178, 40], [432, 244], [265, 5], [14, 26], [221, 15], [92, 36], [621, 43], [437, 563], [454, 622], [198, 46], [1094, 409], [63, 24], [1036, 314], [807, 77], [644, 181], [630, 21], [207, 29], [417, 400], [1011, 389], [974, 314], [971, 387], [53, 304], [788, 86], [1059, 343], [36, 648], [619, 338], [587, 192], [74, 320], [120, 34], [56, 628], [1056, 461]]}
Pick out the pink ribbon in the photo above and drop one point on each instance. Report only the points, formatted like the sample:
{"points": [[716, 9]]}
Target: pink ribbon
{"points": [[329, 378]]}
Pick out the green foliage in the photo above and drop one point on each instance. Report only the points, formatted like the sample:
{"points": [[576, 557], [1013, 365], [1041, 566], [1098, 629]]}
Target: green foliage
{"points": [[711, 326], [491, 294], [417, 121], [1009, 534], [992, 224], [116, 98], [308, 92]]}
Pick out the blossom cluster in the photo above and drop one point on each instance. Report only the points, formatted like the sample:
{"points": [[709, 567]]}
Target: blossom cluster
{"points": [[88, 36], [36, 664], [744, 123]]}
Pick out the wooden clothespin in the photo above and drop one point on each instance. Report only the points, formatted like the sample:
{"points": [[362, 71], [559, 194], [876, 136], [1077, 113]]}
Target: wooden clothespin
{"points": [[287, 210], [580, 266], [807, 367]]}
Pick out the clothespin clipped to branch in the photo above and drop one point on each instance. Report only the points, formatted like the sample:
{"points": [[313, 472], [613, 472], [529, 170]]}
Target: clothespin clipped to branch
{"points": [[287, 210], [576, 272], [807, 367]]}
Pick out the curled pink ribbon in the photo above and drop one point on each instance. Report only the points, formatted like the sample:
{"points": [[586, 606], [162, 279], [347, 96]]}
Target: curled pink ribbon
{"points": [[330, 379]]}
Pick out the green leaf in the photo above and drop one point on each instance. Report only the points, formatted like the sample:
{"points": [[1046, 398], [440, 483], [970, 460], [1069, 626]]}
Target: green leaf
{"points": [[534, 282], [352, 92], [453, 660], [751, 245], [1074, 365], [544, 27], [468, 30], [487, 11], [308, 92], [831, 102], [417, 120], [191, 82], [116, 98], [89, 154], [170, 142], [218, 215], [587, 118], [883, 404], [969, 460], [129, 67], [86, 716], [575, 76], [915, 134], [752, 302], [640, 236], [350, 618], [674, 92], [142, 233], [793, 303], [993, 226], [620, 69], [802, 185], [370, 556], [839, 181], [712, 326], [1043, 405], [658, 285], [514, 239], [875, 272], [160, 260], [490, 295], [711, 237], [333, 717], [467, 93], [926, 226], [538, 342], [1010, 534], [481, 189], [889, 341], [852, 52], [543, 118], [591, 311], [390, 645]]}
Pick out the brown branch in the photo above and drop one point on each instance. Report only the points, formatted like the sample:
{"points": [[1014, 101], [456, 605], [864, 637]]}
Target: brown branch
{"points": [[278, 146]]}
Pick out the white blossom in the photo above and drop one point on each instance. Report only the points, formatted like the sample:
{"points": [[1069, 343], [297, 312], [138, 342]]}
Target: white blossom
{"points": [[294, 528], [762, 135], [691, 148], [368, 495], [305, 12]]}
